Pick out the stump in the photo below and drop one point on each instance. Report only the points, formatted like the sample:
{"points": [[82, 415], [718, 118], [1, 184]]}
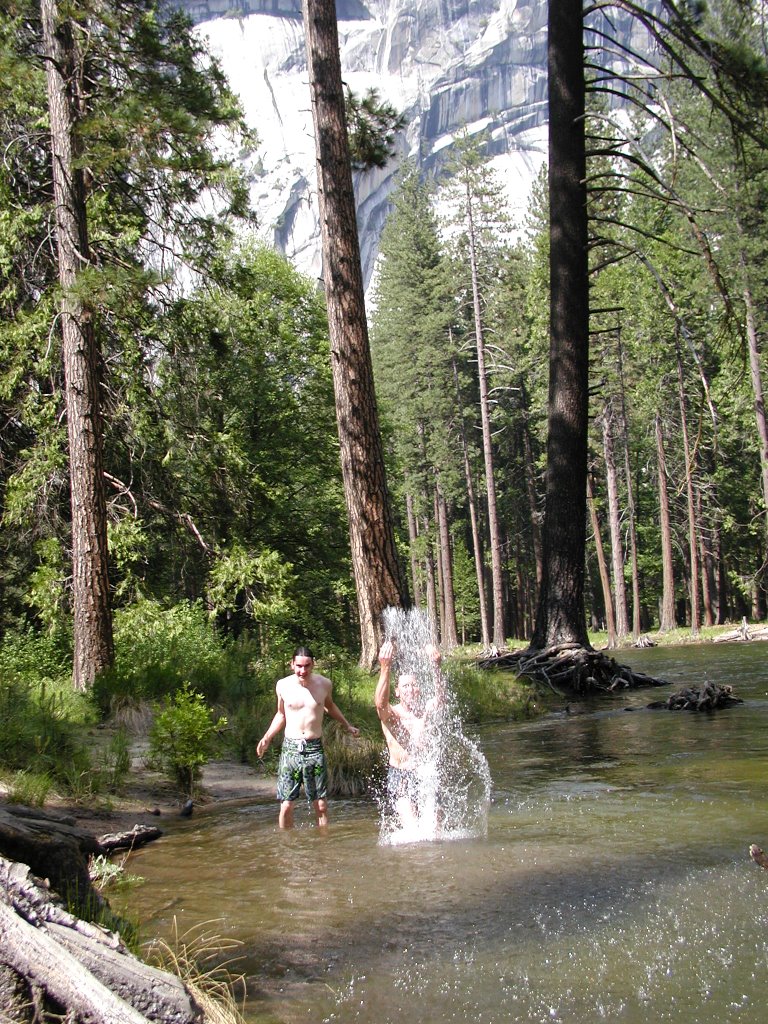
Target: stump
{"points": [[708, 697]]}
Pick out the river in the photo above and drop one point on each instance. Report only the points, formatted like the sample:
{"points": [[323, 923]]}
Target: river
{"points": [[614, 883]]}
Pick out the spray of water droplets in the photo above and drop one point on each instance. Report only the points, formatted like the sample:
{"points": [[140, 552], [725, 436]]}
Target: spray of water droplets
{"points": [[451, 786]]}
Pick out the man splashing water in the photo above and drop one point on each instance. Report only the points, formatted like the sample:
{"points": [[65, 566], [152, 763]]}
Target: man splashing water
{"points": [[438, 783]]}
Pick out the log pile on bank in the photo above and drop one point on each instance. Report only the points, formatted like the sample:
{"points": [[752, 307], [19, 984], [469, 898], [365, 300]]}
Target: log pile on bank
{"points": [[572, 667], [55, 964]]}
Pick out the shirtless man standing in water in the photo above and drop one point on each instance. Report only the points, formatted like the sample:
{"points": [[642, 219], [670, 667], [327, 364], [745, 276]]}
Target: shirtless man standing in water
{"points": [[302, 700], [404, 726]]}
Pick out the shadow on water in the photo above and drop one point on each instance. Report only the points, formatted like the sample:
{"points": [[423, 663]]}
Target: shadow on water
{"points": [[613, 884]]}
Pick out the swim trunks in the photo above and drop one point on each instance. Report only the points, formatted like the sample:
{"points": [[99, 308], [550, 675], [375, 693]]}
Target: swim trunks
{"points": [[302, 761], [402, 782]]}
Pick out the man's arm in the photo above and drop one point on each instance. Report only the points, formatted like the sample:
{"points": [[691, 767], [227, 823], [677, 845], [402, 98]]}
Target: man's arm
{"points": [[335, 712], [277, 723], [382, 695]]}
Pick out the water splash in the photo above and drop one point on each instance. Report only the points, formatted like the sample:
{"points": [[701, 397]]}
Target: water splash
{"points": [[451, 781]]}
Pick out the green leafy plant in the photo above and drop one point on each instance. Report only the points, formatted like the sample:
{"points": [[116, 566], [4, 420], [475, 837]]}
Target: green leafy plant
{"points": [[157, 648], [182, 737]]}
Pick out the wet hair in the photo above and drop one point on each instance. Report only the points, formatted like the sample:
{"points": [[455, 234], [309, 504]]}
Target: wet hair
{"points": [[303, 652]]}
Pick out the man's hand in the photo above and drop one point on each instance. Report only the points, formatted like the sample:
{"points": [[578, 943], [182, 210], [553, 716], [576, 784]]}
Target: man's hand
{"points": [[261, 746], [352, 730], [434, 655], [386, 654]]}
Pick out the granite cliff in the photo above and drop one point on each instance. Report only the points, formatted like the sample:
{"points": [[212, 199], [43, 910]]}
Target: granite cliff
{"points": [[447, 64]]}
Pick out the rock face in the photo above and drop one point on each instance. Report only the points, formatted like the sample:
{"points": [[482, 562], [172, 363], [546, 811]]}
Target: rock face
{"points": [[446, 64]]}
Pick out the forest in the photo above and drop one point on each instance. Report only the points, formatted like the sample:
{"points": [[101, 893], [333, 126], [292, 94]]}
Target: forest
{"points": [[172, 412]]}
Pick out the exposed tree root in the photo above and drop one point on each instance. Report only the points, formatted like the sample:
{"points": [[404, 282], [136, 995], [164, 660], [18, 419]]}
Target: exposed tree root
{"points": [[574, 668], [708, 697]]}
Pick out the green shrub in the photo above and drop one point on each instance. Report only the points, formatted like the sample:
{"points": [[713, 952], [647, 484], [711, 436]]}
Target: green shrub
{"points": [[158, 648], [37, 657], [182, 737], [40, 726]]}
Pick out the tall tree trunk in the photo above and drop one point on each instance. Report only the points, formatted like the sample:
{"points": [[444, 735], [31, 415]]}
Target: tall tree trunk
{"points": [[631, 512], [413, 536], [378, 576], [692, 530], [497, 581], [560, 615], [706, 562], [614, 514], [93, 642], [605, 580], [667, 618], [530, 487], [429, 562], [449, 635], [477, 549], [760, 417]]}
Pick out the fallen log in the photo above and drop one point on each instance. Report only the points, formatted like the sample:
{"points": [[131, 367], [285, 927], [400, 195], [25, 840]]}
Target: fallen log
{"points": [[572, 667], [709, 697], [54, 848], [138, 836], [59, 965]]}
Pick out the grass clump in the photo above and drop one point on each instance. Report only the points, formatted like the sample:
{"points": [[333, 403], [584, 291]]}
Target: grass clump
{"points": [[196, 957], [29, 788]]}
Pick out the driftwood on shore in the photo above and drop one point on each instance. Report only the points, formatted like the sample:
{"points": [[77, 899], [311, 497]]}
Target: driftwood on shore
{"points": [[54, 964], [708, 697], [742, 633], [135, 837], [572, 667]]}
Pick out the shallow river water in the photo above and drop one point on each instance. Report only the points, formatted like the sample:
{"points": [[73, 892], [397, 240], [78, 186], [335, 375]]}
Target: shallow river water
{"points": [[614, 883]]}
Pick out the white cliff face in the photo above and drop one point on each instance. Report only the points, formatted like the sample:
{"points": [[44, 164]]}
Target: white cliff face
{"points": [[446, 64]]}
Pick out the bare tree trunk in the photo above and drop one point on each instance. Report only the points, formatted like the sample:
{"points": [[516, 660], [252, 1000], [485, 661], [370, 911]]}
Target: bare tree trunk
{"points": [[378, 577], [530, 487], [692, 531], [617, 551], [667, 619], [93, 642], [757, 391], [705, 562], [560, 616], [413, 536], [631, 517], [605, 580], [429, 561], [497, 582], [485, 630], [449, 635], [439, 565]]}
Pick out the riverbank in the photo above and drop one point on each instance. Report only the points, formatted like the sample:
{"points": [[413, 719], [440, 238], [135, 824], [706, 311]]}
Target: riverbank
{"points": [[147, 798]]}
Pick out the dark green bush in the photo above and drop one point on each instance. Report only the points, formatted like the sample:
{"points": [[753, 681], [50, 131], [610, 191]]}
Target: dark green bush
{"points": [[159, 648]]}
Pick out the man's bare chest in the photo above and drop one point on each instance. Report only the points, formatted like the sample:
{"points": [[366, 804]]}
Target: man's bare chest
{"points": [[303, 698]]}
